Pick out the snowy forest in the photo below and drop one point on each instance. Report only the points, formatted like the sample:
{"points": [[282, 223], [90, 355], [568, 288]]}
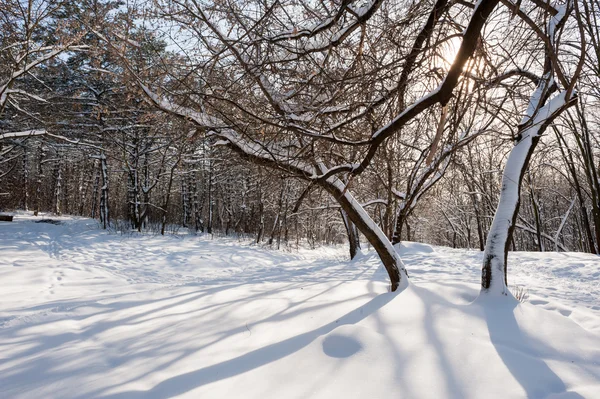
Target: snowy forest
{"points": [[221, 118], [367, 125]]}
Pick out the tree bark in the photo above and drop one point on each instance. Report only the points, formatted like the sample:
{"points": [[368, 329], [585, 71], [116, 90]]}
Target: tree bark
{"points": [[353, 236], [376, 237]]}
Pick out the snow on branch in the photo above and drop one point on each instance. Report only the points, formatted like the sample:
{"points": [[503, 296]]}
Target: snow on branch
{"points": [[255, 150], [5, 87], [360, 15], [24, 93], [198, 118], [443, 92], [25, 133]]}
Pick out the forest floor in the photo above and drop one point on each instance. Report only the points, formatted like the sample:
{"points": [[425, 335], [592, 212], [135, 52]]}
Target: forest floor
{"points": [[89, 314]]}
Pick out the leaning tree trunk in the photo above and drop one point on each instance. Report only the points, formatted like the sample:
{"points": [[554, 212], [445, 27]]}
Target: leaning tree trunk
{"points": [[367, 226], [535, 122]]}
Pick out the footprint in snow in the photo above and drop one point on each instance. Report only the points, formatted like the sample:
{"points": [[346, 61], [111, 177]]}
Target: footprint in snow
{"points": [[340, 346], [565, 312], [538, 302]]}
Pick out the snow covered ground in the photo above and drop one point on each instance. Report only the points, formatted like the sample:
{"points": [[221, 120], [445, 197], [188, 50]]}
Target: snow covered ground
{"points": [[87, 314]]}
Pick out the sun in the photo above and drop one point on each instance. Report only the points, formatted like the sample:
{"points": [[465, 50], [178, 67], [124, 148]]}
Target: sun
{"points": [[446, 53]]}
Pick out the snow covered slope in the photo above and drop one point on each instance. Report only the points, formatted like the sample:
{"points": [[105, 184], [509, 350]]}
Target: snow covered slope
{"points": [[86, 314]]}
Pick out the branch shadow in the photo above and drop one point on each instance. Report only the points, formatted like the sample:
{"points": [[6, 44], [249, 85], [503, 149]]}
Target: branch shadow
{"points": [[180, 384], [451, 381]]}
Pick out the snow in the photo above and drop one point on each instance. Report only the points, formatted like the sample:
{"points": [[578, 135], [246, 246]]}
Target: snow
{"points": [[555, 21], [89, 314]]}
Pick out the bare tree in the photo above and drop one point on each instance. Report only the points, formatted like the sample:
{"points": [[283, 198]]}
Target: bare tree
{"points": [[542, 109]]}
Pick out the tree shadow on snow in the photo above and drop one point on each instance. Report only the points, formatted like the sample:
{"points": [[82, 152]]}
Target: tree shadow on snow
{"points": [[155, 318], [521, 353], [180, 384]]}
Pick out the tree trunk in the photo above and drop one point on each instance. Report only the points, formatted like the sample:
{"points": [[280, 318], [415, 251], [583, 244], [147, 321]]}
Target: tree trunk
{"points": [[210, 199], [570, 163], [352, 232], [536, 214], [537, 119], [584, 142], [261, 222], [400, 222], [197, 209], [168, 196], [38, 184], [104, 214], [25, 179], [58, 188], [357, 214]]}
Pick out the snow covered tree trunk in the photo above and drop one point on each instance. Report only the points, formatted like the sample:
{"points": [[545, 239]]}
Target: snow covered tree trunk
{"points": [[493, 277], [535, 121], [242, 217], [130, 199], [541, 111], [133, 184], [195, 207], [352, 232], [274, 229], [367, 226]]}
